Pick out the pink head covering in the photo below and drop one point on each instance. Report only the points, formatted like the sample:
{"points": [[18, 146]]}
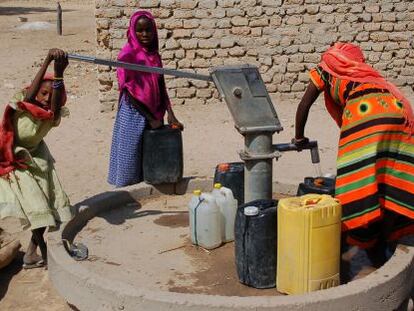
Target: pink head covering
{"points": [[346, 61], [148, 88]]}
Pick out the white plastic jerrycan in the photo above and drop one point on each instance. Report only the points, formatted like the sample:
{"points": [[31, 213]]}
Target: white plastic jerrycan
{"points": [[205, 220], [228, 209]]}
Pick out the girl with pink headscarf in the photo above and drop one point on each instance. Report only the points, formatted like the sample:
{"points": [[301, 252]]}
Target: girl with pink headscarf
{"points": [[143, 101], [375, 164], [30, 189]]}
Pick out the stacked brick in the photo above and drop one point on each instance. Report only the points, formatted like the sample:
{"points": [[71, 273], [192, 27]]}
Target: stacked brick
{"points": [[284, 38]]}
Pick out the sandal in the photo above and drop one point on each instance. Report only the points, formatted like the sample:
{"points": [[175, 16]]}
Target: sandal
{"points": [[77, 251], [37, 264]]}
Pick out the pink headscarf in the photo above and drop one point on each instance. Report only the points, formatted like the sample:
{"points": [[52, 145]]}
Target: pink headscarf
{"points": [[346, 61], [148, 88]]}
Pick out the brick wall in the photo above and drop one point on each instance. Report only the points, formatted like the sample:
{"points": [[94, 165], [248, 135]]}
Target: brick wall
{"points": [[284, 38]]}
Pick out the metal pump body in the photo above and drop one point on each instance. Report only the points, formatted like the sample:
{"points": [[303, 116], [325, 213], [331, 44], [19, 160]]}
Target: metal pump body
{"points": [[255, 117]]}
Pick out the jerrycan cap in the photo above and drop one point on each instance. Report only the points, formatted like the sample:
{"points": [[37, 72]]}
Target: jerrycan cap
{"points": [[217, 185], [223, 167], [319, 182], [251, 210], [197, 192]]}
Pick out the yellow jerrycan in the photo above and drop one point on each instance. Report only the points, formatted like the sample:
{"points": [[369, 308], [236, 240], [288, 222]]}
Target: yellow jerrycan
{"points": [[308, 250]]}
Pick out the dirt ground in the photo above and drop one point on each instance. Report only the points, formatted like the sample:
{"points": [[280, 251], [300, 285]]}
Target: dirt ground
{"points": [[81, 143]]}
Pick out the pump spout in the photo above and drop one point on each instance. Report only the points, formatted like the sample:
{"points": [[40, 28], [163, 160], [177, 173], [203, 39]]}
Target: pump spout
{"points": [[312, 146]]}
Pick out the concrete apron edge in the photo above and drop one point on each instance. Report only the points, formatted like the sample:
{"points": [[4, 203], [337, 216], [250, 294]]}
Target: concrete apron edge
{"points": [[385, 289]]}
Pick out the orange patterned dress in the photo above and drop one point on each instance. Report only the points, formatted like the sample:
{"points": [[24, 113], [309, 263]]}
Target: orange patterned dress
{"points": [[375, 164]]}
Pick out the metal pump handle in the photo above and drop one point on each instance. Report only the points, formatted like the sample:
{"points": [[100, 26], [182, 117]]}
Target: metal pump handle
{"points": [[163, 71], [312, 146]]}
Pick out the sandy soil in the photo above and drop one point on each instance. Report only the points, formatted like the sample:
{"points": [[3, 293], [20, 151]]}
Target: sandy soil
{"points": [[81, 144]]}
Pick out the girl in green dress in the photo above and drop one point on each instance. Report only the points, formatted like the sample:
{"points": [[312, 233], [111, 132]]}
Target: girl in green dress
{"points": [[29, 187]]}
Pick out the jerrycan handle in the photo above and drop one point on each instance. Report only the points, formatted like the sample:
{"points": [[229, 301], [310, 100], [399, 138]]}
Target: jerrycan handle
{"points": [[176, 127], [311, 201], [225, 192]]}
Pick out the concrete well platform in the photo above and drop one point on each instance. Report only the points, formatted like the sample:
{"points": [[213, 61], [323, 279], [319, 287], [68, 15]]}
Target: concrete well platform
{"points": [[141, 259]]}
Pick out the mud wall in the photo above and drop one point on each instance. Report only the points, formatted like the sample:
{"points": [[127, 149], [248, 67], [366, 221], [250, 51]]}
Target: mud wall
{"points": [[284, 38]]}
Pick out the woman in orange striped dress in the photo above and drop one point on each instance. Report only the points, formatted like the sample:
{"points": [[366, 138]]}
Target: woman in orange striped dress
{"points": [[375, 164]]}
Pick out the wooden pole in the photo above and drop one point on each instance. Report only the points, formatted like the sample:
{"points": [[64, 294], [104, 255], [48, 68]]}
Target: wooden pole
{"points": [[59, 19]]}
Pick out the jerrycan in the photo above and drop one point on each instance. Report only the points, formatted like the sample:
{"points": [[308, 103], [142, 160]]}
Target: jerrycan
{"points": [[320, 185], [228, 208], [205, 220], [162, 159], [309, 234], [231, 175], [255, 243]]}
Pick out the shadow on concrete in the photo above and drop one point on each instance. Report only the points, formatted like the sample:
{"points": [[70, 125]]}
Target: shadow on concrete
{"points": [[119, 206], [105, 205], [118, 216], [407, 240], [7, 273], [104, 201], [93, 207], [15, 10]]}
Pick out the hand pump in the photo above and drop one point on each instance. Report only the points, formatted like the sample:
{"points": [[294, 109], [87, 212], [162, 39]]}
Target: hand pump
{"points": [[245, 94]]}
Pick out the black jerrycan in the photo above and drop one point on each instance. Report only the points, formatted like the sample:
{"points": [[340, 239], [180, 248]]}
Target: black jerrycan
{"points": [[231, 175], [319, 185], [162, 155], [255, 243]]}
